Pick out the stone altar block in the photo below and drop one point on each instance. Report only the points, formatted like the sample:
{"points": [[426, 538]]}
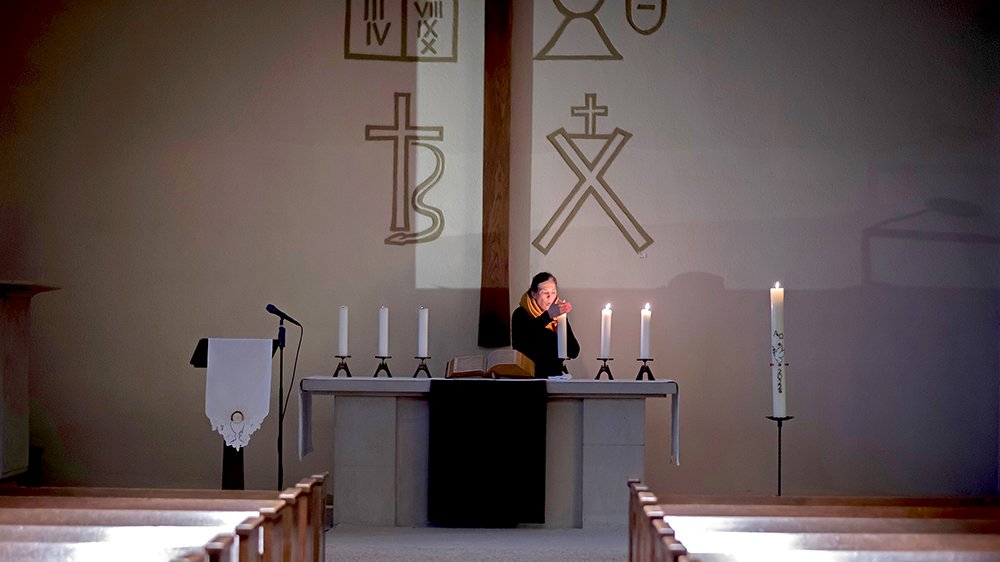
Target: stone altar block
{"points": [[595, 435]]}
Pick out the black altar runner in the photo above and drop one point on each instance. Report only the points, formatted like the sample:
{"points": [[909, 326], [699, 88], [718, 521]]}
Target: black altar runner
{"points": [[486, 453]]}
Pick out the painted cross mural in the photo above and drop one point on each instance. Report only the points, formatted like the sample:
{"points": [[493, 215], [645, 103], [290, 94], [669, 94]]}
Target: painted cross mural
{"points": [[405, 136], [590, 178]]}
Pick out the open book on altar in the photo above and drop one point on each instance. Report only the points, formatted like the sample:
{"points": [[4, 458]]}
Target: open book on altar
{"points": [[501, 363]]}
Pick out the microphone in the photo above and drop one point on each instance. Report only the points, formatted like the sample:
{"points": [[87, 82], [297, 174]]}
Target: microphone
{"points": [[277, 312]]}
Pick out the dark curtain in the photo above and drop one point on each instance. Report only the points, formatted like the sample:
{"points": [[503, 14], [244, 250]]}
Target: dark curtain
{"points": [[487, 453]]}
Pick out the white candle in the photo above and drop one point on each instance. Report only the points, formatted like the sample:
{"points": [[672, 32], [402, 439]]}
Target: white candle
{"points": [[644, 316], [342, 335], [561, 336], [779, 368], [383, 332], [606, 332], [422, 332]]}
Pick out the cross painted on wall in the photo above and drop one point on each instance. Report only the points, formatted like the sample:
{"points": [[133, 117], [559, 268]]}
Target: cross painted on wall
{"points": [[405, 136], [590, 178]]}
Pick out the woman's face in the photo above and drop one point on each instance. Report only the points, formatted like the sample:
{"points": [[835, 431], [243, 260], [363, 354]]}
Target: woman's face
{"points": [[546, 294]]}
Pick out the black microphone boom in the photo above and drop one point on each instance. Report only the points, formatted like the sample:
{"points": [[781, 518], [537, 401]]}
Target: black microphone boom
{"points": [[277, 312]]}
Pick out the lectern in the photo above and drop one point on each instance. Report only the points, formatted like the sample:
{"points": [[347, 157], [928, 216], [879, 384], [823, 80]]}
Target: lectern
{"points": [[15, 349], [232, 459]]}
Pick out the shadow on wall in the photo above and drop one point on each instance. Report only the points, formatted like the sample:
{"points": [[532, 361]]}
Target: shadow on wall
{"points": [[894, 388], [947, 243]]}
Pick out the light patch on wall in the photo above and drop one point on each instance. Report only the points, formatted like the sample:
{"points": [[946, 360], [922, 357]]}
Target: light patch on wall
{"points": [[451, 95]]}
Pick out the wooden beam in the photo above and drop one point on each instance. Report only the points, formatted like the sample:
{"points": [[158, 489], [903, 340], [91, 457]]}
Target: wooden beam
{"points": [[494, 293]]}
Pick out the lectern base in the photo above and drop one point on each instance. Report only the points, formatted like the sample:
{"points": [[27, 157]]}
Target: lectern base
{"points": [[232, 468]]}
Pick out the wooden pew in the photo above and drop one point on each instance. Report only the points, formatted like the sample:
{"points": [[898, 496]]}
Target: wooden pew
{"points": [[899, 501], [190, 535], [650, 537], [297, 532], [200, 556], [139, 534], [278, 514], [151, 545], [638, 496], [859, 524], [316, 541], [85, 552], [220, 549], [714, 529], [249, 539]]}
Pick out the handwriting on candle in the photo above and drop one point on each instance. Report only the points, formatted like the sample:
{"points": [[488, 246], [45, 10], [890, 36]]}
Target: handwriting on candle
{"points": [[778, 360]]}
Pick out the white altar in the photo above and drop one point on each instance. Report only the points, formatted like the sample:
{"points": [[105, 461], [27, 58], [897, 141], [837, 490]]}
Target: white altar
{"points": [[595, 441]]}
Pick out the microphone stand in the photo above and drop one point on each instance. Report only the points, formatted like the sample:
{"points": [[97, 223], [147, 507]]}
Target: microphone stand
{"points": [[281, 398]]}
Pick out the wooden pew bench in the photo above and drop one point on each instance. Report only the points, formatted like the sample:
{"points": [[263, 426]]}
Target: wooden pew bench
{"points": [[307, 500], [714, 529], [163, 534], [262, 525], [86, 552], [80, 540]]}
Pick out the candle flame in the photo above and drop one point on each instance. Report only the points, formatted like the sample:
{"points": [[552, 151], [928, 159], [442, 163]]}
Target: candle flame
{"points": [[777, 285], [647, 306], [607, 306]]}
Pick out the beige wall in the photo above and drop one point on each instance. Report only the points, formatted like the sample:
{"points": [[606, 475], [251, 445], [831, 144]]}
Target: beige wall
{"points": [[810, 143], [176, 166]]}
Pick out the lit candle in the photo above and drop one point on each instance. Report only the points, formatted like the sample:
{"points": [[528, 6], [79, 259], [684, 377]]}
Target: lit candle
{"points": [[383, 332], [779, 369], [422, 332], [606, 332], [644, 316], [562, 334], [342, 335]]}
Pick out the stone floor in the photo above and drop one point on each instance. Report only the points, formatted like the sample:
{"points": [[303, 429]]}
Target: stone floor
{"points": [[399, 544]]}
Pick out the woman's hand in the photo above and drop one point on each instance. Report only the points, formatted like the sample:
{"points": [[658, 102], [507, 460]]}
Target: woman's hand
{"points": [[559, 308]]}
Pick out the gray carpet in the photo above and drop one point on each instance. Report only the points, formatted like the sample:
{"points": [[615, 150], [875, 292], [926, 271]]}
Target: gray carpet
{"points": [[399, 544]]}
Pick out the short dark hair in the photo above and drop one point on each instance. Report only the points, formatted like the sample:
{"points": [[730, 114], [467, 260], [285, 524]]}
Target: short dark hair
{"points": [[541, 278]]}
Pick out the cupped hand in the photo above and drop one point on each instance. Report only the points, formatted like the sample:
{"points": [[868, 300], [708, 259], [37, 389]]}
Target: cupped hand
{"points": [[564, 307]]}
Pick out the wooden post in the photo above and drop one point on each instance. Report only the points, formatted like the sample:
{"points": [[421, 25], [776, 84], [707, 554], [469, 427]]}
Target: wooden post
{"points": [[494, 293]]}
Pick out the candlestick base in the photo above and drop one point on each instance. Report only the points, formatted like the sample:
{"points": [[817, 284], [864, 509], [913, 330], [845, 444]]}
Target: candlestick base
{"points": [[382, 366], [780, 420], [644, 370], [604, 368], [342, 366], [422, 367], [562, 367]]}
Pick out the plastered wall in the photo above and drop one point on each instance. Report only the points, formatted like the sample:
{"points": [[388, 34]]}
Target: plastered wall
{"points": [[174, 167]]}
